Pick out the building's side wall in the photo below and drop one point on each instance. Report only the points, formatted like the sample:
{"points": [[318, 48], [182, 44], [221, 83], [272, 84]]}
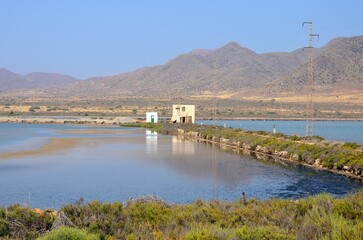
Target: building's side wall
{"points": [[189, 113], [175, 115]]}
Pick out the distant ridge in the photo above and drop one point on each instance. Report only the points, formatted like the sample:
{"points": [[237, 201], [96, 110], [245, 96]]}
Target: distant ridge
{"points": [[10, 81], [338, 66], [193, 73]]}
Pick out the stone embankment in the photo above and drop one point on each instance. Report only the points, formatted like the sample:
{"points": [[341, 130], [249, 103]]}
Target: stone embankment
{"points": [[263, 152]]}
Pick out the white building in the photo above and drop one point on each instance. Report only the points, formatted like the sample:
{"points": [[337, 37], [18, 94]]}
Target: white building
{"points": [[183, 113], [151, 117]]}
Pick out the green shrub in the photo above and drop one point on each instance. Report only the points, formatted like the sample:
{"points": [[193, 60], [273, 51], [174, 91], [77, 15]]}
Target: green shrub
{"points": [[350, 146], [318, 217], [67, 233], [96, 216], [256, 233], [351, 209], [343, 229], [210, 233], [200, 234], [154, 213], [4, 228]]}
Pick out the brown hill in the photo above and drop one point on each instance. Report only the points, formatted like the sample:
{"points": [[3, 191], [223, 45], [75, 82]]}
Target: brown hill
{"points": [[228, 68], [10, 81], [337, 69]]}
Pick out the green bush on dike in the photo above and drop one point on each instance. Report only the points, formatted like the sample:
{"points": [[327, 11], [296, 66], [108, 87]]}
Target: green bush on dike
{"points": [[66, 233], [350, 146]]}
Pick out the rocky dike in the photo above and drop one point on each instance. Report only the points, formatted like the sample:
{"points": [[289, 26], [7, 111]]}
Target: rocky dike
{"points": [[263, 153]]}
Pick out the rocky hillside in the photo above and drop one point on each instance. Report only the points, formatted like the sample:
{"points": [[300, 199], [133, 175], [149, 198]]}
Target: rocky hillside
{"points": [[338, 68], [10, 81], [228, 68]]}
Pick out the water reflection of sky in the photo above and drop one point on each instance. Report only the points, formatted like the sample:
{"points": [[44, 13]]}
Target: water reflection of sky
{"points": [[133, 162]]}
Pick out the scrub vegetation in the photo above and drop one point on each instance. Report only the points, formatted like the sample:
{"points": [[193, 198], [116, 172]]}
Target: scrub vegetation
{"points": [[318, 217]]}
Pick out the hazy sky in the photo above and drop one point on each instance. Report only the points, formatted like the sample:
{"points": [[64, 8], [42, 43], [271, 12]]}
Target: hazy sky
{"points": [[97, 38]]}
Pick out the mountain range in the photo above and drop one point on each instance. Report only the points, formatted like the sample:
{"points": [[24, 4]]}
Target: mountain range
{"points": [[10, 81], [337, 67]]}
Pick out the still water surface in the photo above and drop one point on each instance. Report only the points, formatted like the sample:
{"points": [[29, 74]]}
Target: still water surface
{"points": [[51, 165]]}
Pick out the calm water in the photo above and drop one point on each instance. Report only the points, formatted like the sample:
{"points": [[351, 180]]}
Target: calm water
{"points": [[51, 165], [346, 131]]}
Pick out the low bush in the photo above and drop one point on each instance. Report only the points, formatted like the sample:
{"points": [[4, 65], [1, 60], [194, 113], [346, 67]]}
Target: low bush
{"points": [[271, 233], [4, 228], [319, 217], [67, 233]]}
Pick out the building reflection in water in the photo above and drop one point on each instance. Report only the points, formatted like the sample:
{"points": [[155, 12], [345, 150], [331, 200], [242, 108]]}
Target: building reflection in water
{"points": [[206, 161], [198, 160], [182, 147], [151, 141]]}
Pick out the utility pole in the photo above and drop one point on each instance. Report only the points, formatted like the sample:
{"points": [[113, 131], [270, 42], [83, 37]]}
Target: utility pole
{"points": [[215, 68], [310, 82]]}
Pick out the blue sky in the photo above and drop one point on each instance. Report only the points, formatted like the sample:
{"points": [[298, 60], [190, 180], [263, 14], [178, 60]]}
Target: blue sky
{"points": [[86, 38]]}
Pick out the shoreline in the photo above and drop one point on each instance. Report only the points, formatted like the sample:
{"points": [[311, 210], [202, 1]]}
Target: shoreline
{"points": [[222, 142], [102, 120], [261, 147], [280, 119], [272, 157], [107, 120]]}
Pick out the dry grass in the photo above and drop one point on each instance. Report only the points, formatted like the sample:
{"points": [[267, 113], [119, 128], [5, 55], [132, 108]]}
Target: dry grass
{"points": [[333, 98]]}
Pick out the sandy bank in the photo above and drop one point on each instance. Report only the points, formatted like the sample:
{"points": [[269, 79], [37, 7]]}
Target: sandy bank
{"points": [[54, 145], [59, 145]]}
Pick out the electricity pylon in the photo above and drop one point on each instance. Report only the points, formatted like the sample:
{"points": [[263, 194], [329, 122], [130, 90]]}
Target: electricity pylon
{"points": [[310, 82]]}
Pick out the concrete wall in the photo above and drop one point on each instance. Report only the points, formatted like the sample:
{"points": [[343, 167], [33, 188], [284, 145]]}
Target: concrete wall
{"points": [[183, 113]]}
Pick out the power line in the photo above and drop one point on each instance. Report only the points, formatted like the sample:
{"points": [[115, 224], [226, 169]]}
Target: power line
{"points": [[215, 68], [341, 27]]}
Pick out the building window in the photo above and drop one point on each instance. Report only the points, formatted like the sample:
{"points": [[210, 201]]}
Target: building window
{"points": [[183, 109]]}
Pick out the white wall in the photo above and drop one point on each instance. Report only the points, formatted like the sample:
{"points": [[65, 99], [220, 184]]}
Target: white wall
{"points": [[149, 116]]}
